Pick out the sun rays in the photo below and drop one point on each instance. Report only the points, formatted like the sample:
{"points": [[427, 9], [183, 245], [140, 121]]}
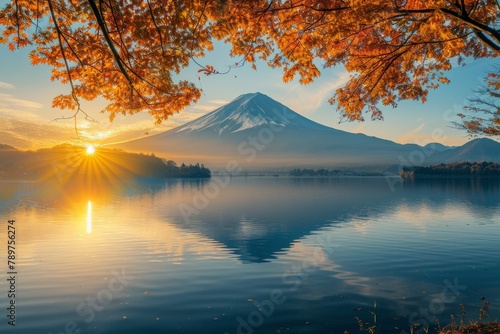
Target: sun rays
{"points": [[90, 150]]}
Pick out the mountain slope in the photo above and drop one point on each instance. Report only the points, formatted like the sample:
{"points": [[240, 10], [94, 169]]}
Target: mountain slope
{"points": [[4, 147], [480, 149], [258, 132], [437, 147], [245, 112]]}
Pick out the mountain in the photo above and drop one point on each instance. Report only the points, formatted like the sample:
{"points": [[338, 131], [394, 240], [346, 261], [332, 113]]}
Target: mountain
{"points": [[246, 112], [438, 147], [4, 147], [255, 132], [480, 149]]}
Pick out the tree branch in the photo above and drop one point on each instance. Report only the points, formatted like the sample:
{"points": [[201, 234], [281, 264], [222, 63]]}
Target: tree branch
{"points": [[475, 25], [105, 32], [486, 41], [73, 94], [156, 26]]}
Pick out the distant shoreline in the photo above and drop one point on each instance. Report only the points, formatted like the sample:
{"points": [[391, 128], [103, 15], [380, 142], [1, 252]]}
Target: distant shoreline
{"points": [[74, 163], [453, 170], [448, 176]]}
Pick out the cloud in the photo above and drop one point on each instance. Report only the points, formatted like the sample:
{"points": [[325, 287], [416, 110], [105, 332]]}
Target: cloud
{"points": [[19, 114], [414, 136], [27, 135], [24, 127], [7, 100], [208, 106], [184, 117], [125, 128], [309, 98], [203, 107], [219, 102], [107, 132], [360, 128], [6, 85]]}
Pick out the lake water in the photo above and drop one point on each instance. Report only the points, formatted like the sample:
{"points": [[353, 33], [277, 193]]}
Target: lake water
{"points": [[250, 255]]}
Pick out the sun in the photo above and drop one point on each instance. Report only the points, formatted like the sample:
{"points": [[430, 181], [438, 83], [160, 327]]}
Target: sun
{"points": [[90, 150]]}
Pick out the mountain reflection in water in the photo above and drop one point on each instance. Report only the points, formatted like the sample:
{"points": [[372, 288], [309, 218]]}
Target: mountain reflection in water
{"points": [[200, 254]]}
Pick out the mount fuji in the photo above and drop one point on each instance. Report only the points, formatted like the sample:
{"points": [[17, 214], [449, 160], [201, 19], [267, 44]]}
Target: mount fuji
{"points": [[261, 133], [246, 112]]}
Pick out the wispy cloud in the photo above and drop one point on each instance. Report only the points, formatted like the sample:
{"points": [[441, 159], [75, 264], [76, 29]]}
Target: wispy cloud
{"points": [[19, 114], [33, 135], [6, 85], [208, 105], [414, 136], [107, 132], [7, 100], [184, 117], [219, 102], [307, 99], [203, 107], [28, 134], [360, 128]]}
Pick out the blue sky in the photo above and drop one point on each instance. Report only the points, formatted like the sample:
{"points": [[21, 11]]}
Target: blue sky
{"points": [[26, 94]]}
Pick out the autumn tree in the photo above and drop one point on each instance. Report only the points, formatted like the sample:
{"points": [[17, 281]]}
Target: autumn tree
{"points": [[131, 51], [127, 51]]}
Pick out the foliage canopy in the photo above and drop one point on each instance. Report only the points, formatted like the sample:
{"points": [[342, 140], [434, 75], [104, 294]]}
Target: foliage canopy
{"points": [[129, 51]]}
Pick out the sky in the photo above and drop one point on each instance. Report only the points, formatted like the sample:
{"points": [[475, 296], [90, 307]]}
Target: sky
{"points": [[29, 121]]}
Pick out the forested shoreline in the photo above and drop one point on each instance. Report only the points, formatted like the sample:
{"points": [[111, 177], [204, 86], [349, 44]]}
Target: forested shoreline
{"points": [[67, 162], [456, 169]]}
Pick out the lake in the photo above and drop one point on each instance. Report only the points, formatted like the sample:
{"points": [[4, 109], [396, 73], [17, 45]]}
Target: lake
{"points": [[249, 255]]}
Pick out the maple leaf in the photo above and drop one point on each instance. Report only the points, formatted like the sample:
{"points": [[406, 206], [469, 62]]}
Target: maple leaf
{"points": [[130, 52], [208, 70]]}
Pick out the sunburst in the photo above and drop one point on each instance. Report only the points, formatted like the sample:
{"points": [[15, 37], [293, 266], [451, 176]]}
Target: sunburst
{"points": [[90, 150]]}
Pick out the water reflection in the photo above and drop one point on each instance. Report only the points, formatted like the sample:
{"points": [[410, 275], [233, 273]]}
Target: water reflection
{"points": [[260, 219], [89, 217], [331, 245]]}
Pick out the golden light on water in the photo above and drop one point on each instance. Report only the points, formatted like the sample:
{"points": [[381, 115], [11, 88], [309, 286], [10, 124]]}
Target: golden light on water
{"points": [[90, 149], [89, 217]]}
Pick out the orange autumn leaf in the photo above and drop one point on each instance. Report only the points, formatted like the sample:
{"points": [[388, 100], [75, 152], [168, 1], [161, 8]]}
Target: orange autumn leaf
{"points": [[131, 52]]}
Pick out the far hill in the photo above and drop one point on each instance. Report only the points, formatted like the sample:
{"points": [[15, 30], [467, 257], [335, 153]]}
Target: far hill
{"points": [[480, 149], [258, 133], [4, 147], [67, 162], [437, 147]]}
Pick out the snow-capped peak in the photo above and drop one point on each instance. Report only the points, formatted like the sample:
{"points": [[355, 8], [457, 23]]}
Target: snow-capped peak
{"points": [[245, 112]]}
